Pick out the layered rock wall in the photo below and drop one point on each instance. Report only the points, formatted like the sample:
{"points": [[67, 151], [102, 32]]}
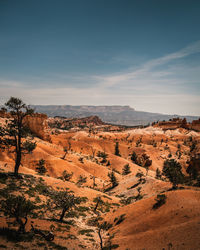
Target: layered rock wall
{"points": [[37, 123]]}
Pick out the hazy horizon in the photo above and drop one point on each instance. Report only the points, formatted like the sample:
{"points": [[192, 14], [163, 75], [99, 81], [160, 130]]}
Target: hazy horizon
{"points": [[142, 54]]}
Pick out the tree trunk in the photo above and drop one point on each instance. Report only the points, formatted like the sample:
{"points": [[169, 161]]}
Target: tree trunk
{"points": [[101, 242], [96, 205], [64, 156], [174, 186], [22, 225], [94, 184], [17, 162], [62, 215]]}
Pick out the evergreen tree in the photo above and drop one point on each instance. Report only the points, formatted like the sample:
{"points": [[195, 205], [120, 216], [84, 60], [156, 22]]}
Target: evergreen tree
{"points": [[158, 174], [193, 167], [17, 207], [113, 179], [134, 157], [40, 167], [117, 149], [126, 169], [173, 171], [81, 180], [139, 175], [64, 200], [12, 134], [102, 155]]}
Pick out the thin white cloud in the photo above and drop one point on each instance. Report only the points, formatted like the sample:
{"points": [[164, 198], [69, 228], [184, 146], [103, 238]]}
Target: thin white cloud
{"points": [[149, 87], [147, 68]]}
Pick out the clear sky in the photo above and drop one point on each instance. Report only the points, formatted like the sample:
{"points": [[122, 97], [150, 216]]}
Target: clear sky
{"points": [[142, 53]]}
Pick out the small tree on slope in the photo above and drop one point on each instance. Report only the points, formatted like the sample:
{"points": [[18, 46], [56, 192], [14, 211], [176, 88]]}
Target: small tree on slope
{"points": [[172, 170], [113, 179], [117, 149], [17, 207], [126, 169], [65, 201]]}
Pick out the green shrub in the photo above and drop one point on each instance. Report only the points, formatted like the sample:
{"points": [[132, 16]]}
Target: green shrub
{"points": [[160, 200], [126, 169]]}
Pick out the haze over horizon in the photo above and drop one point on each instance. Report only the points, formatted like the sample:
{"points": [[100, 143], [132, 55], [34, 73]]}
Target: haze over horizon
{"points": [[145, 54]]}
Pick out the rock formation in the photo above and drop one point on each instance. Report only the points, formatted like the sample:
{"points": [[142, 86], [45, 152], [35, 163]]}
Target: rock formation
{"points": [[37, 123]]}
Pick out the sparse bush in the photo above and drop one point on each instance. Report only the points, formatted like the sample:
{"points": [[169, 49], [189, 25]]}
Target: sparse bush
{"points": [[154, 144], [139, 175], [102, 155], [120, 219], [81, 180], [85, 231], [127, 201], [126, 169], [137, 143], [65, 153], [138, 196], [66, 176], [81, 159], [169, 155], [108, 163], [40, 167], [160, 200]]}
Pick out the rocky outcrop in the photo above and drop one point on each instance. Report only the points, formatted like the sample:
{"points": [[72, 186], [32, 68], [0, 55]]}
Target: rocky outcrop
{"points": [[64, 123], [179, 123], [172, 124], [37, 123], [195, 125]]}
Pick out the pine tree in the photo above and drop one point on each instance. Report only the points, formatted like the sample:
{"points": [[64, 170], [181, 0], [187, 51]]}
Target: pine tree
{"points": [[12, 134], [113, 179], [65, 201], [139, 175], [134, 157], [17, 207], [173, 171], [117, 149], [158, 174], [40, 167]]}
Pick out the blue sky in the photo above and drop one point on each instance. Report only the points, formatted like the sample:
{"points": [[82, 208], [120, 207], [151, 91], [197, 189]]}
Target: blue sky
{"points": [[143, 53]]}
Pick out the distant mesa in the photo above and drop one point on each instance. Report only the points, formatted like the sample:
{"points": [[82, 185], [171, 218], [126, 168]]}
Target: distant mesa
{"points": [[116, 114]]}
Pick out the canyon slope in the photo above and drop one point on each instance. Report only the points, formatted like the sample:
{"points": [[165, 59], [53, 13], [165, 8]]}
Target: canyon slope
{"points": [[79, 156]]}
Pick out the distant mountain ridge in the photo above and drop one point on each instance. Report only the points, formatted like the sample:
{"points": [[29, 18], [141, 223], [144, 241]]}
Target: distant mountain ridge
{"points": [[116, 114]]}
